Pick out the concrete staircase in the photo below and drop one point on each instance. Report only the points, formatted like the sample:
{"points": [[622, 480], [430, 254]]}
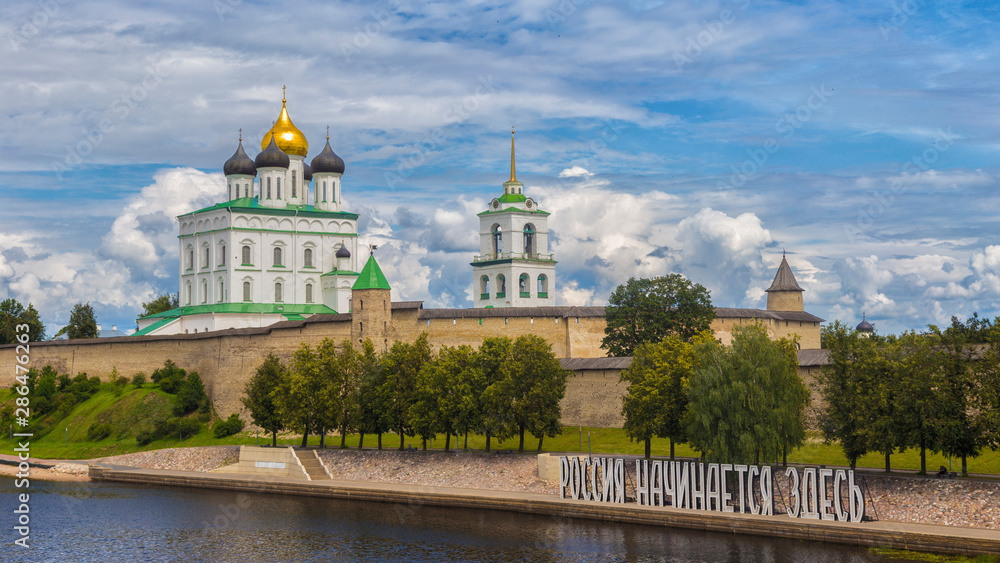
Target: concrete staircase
{"points": [[310, 461]]}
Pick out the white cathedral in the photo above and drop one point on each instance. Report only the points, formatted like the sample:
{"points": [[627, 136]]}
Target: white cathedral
{"points": [[281, 248]]}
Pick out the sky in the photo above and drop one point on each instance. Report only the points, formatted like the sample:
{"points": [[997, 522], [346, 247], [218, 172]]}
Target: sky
{"points": [[698, 137]]}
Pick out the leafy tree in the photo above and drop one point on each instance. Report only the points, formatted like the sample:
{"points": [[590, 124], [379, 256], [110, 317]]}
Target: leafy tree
{"points": [[373, 399], [162, 303], [536, 385], [986, 390], [402, 363], [13, 314], [656, 402], [170, 377], [960, 432], [919, 380], [304, 399], [82, 323], [191, 396], [493, 365], [228, 427], [444, 394], [351, 369], [746, 401], [846, 389], [260, 400], [648, 310]]}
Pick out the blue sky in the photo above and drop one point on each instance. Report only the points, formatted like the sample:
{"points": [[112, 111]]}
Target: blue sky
{"points": [[700, 137]]}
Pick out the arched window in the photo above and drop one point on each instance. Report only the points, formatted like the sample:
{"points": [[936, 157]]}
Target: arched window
{"points": [[204, 291], [268, 187], [529, 239], [190, 258], [307, 258], [204, 260], [246, 291], [278, 182], [246, 256], [543, 286], [246, 190], [309, 293], [277, 292], [293, 183], [277, 256], [523, 285], [497, 241], [222, 255], [187, 293], [484, 287], [222, 290], [324, 190], [501, 286]]}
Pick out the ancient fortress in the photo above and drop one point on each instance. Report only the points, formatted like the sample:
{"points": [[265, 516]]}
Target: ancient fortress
{"points": [[311, 274]]}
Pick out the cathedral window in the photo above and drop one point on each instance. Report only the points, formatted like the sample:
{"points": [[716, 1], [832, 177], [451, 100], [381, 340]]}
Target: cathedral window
{"points": [[324, 190], [307, 258], [246, 256], [309, 293], [294, 175], [246, 291], [204, 260], [187, 293], [497, 241], [277, 292], [501, 286], [529, 239], [190, 258], [246, 190], [484, 287], [222, 290], [277, 256], [543, 286], [268, 187], [278, 182], [204, 291], [523, 284], [222, 255]]}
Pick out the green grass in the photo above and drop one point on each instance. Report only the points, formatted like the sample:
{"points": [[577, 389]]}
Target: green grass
{"points": [[903, 555], [135, 407]]}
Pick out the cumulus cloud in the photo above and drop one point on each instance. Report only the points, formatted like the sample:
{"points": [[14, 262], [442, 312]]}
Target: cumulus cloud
{"points": [[575, 172]]}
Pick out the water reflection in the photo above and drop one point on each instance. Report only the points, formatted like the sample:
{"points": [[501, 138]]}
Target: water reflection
{"points": [[102, 521]]}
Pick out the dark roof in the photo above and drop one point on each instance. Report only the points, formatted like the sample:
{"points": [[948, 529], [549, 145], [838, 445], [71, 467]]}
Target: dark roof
{"points": [[408, 305], [327, 161], [814, 357], [784, 280], [342, 252], [564, 312], [239, 163], [730, 313], [307, 172], [595, 363], [864, 326], [272, 157]]}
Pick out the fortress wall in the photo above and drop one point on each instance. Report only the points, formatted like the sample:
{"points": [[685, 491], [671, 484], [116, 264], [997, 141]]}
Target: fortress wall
{"points": [[594, 398], [808, 333]]}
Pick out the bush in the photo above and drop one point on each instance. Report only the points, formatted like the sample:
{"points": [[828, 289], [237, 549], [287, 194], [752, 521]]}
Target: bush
{"points": [[170, 378], [188, 427], [169, 427], [98, 431], [228, 427], [144, 437], [191, 395], [139, 379]]}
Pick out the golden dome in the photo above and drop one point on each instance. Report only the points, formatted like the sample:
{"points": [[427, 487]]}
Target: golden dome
{"points": [[286, 135]]}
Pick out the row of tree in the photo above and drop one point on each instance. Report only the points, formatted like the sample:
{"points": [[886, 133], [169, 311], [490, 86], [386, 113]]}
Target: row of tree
{"points": [[504, 388], [937, 392], [82, 321], [738, 403]]}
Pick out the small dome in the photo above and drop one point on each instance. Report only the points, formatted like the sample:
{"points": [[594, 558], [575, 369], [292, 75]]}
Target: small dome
{"points": [[864, 326], [327, 161], [289, 138], [343, 252], [239, 163], [307, 172], [272, 157]]}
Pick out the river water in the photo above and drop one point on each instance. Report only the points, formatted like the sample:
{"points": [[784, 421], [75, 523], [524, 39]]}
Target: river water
{"points": [[132, 523]]}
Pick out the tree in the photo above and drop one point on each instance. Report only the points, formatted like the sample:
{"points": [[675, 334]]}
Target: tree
{"points": [[191, 396], [656, 402], [304, 399], [82, 323], [351, 373], [845, 386], [445, 401], [162, 303], [919, 379], [536, 385], [746, 401], [13, 316], [493, 365], [402, 363], [960, 432], [271, 376], [373, 400], [648, 310], [170, 377]]}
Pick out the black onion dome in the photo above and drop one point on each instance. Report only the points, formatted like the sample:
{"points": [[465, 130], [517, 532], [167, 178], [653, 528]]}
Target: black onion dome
{"points": [[307, 172], [239, 163], [272, 157], [327, 161], [864, 326], [343, 252]]}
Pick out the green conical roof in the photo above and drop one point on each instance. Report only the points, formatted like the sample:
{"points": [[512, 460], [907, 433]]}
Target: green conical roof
{"points": [[371, 276]]}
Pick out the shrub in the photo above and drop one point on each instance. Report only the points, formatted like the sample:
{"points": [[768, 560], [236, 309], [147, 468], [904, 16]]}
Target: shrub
{"points": [[144, 437], [139, 379], [191, 395], [188, 427], [170, 378], [228, 427], [98, 431]]}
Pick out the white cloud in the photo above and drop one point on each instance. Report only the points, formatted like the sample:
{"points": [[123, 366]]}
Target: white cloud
{"points": [[575, 172]]}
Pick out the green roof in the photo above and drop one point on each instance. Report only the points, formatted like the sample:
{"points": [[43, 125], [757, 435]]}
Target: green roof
{"points": [[155, 326], [251, 204], [339, 273], [274, 308], [371, 276], [512, 198]]}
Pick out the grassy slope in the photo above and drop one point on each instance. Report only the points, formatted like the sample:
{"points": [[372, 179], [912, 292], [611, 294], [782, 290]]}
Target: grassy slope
{"points": [[129, 412]]}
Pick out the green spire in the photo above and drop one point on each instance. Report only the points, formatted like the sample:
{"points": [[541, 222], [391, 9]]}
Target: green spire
{"points": [[371, 276]]}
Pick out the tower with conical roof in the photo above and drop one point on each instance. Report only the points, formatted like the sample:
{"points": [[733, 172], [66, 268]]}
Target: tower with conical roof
{"points": [[371, 307], [514, 267], [784, 293]]}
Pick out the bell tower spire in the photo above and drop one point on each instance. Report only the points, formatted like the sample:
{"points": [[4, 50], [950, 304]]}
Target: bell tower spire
{"points": [[513, 172]]}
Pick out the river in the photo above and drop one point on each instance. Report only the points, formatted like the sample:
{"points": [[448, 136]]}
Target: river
{"points": [[119, 522]]}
